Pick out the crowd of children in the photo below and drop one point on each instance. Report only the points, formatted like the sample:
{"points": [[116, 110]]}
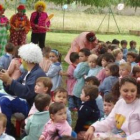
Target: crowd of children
{"points": [[95, 81]]}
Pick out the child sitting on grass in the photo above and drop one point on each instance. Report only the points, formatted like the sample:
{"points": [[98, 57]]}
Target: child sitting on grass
{"points": [[88, 112], [61, 96], [36, 122], [57, 126], [43, 85], [92, 80]]}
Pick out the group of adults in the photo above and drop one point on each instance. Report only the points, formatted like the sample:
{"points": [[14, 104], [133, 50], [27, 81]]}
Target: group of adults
{"points": [[19, 26]]}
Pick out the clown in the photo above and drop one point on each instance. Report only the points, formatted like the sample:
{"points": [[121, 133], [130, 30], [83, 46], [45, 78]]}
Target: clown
{"points": [[40, 23], [22, 88], [20, 26], [4, 26]]}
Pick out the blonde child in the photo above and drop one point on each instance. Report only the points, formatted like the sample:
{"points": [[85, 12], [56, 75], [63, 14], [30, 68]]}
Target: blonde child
{"points": [[125, 114], [88, 112], [36, 122], [43, 86], [118, 56], [74, 58], [57, 126], [3, 122], [94, 68], [55, 68], [61, 96], [46, 62], [14, 67], [112, 74], [124, 69], [79, 73]]}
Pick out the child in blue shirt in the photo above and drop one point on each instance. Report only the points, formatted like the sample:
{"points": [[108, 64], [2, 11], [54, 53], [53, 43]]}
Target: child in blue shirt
{"points": [[124, 48], [112, 74], [7, 57], [79, 73]]}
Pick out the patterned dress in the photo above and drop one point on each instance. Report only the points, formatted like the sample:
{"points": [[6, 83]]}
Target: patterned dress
{"points": [[18, 38], [3, 33]]}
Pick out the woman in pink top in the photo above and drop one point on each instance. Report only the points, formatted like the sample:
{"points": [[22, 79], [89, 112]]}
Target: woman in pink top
{"points": [[84, 40], [57, 126], [14, 67], [40, 23], [124, 119]]}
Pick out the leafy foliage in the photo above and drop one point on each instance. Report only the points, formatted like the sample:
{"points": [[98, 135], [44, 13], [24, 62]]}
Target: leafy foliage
{"points": [[96, 3]]}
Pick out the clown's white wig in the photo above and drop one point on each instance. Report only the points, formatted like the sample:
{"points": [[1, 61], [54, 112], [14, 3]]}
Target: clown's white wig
{"points": [[31, 53]]}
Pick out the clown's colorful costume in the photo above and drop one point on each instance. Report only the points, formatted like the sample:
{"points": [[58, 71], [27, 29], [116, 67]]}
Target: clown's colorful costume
{"points": [[4, 26], [20, 26], [40, 23]]}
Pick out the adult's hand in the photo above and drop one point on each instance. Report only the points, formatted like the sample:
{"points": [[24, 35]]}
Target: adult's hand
{"points": [[89, 135], [5, 78]]}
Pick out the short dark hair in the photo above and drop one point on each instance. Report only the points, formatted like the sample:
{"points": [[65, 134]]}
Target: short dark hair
{"points": [[74, 56], [41, 101], [85, 51], [109, 98], [46, 82], [91, 91], [134, 55], [55, 107], [9, 47], [115, 41], [3, 118], [60, 89], [123, 42], [135, 70], [108, 57], [114, 69], [132, 42], [94, 80], [111, 47]]}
